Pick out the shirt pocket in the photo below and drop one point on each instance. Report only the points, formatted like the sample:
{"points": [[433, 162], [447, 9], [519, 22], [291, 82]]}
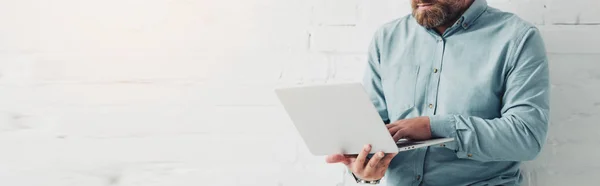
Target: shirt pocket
{"points": [[399, 87]]}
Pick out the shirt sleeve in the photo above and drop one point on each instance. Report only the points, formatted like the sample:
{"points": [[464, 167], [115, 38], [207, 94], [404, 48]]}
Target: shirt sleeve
{"points": [[372, 78], [520, 133]]}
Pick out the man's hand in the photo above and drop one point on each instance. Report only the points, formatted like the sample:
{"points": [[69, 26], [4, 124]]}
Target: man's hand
{"points": [[363, 168], [415, 129]]}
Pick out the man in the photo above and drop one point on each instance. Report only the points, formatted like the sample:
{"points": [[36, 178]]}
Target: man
{"points": [[459, 69]]}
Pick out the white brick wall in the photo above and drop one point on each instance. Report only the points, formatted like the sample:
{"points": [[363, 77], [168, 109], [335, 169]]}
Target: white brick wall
{"points": [[179, 92]]}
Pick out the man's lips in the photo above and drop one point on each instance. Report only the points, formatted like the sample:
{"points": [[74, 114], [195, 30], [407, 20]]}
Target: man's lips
{"points": [[424, 4]]}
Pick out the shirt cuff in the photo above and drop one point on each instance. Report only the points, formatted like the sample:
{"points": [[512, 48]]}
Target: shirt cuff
{"points": [[442, 126]]}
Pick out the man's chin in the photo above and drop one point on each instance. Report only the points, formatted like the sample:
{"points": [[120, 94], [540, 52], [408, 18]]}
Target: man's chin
{"points": [[426, 19], [428, 23]]}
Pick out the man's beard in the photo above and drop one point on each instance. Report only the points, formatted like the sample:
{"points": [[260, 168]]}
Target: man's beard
{"points": [[439, 14]]}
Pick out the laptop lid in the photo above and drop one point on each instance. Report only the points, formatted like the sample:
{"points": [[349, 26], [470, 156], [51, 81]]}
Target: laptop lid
{"points": [[336, 118]]}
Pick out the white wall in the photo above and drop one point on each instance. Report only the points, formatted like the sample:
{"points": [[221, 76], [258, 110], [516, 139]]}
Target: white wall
{"points": [[179, 92]]}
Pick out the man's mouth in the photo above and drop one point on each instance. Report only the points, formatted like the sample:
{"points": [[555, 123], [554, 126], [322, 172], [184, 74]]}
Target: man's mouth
{"points": [[424, 4]]}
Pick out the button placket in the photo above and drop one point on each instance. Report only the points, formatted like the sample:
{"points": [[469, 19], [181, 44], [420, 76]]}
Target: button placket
{"points": [[435, 76]]}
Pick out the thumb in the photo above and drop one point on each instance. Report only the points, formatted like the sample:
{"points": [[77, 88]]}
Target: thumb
{"points": [[336, 158]]}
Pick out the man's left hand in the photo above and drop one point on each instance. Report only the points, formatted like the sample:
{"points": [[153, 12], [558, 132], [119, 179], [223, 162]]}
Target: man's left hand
{"points": [[414, 128]]}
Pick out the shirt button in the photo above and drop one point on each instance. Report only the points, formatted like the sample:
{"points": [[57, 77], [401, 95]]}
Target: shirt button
{"points": [[418, 177], [430, 105], [443, 145], [435, 70], [470, 155]]}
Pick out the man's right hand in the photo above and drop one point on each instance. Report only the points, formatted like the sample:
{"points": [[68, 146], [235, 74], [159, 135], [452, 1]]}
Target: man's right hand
{"points": [[369, 170]]}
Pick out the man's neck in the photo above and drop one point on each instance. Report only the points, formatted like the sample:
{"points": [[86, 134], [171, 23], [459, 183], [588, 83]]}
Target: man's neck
{"points": [[441, 29]]}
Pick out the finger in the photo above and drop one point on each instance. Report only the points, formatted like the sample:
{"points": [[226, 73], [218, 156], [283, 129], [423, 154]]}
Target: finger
{"points": [[350, 162], [395, 129], [359, 164], [373, 164], [396, 136], [387, 159], [382, 171], [336, 158], [399, 134]]}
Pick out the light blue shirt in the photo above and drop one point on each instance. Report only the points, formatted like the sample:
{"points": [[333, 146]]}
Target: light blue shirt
{"points": [[484, 82]]}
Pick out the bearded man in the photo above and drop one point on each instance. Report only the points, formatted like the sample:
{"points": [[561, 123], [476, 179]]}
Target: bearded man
{"points": [[456, 69]]}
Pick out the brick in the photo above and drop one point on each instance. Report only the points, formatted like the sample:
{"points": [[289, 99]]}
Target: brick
{"points": [[145, 92], [531, 11], [375, 13], [571, 39], [20, 113], [573, 12], [336, 12], [115, 65], [349, 68], [17, 98], [19, 121], [130, 121], [45, 176], [252, 120], [16, 68], [21, 26], [111, 93], [573, 97], [244, 95], [567, 176], [339, 39], [255, 69], [307, 69], [182, 175], [553, 153], [208, 152], [315, 175]]}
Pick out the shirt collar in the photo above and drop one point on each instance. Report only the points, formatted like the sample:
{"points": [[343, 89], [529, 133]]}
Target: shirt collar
{"points": [[472, 13]]}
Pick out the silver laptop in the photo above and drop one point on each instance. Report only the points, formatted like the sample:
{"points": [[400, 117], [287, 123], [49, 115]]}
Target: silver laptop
{"points": [[340, 118]]}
